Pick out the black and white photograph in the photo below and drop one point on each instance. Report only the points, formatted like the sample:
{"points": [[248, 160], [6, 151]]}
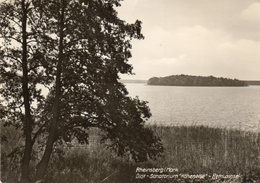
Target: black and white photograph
{"points": [[130, 91]]}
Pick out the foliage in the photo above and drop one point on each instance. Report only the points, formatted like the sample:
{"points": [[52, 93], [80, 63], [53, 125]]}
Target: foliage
{"points": [[68, 55], [193, 150]]}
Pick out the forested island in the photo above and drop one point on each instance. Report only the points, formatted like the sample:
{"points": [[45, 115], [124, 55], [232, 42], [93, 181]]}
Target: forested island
{"points": [[188, 80]]}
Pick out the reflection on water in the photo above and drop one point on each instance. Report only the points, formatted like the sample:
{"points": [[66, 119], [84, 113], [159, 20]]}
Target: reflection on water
{"points": [[231, 107]]}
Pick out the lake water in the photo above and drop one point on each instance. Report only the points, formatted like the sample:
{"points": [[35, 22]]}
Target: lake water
{"points": [[230, 107]]}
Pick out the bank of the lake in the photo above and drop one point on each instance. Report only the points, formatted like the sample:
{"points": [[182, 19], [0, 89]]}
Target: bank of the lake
{"points": [[192, 150]]}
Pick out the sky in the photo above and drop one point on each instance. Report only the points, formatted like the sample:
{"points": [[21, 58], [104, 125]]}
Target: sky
{"points": [[195, 37]]}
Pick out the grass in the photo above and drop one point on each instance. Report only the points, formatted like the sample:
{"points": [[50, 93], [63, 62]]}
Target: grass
{"points": [[200, 149], [190, 149]]}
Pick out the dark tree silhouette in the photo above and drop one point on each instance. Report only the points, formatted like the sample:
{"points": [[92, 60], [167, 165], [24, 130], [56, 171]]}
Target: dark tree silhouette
{"points": [[75, 51], [19, 75]]}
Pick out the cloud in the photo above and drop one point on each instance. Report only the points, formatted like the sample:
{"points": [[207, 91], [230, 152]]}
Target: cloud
{"points": [[252, 13], [219, 38], [196, 50]]}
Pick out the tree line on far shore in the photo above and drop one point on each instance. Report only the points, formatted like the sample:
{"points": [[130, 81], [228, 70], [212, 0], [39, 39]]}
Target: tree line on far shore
{"points": [[188, 80]]}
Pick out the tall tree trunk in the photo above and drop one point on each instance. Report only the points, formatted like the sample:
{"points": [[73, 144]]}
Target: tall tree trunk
{"points": [[26, 96], [43, 164]]}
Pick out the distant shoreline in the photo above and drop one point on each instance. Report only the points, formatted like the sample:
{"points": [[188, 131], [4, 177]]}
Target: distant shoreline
{"points": [[192, 80], [133, 81], [137, 81], [253, 82]]}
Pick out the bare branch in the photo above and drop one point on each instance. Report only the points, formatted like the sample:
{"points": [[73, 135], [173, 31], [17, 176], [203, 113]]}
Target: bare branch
{"points": [[37, 133], [14, 58], [10, 19], [11, 37]]}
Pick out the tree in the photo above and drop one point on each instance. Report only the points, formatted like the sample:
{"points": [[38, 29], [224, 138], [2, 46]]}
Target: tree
{"points": [[19, 76], [79, 49]]}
